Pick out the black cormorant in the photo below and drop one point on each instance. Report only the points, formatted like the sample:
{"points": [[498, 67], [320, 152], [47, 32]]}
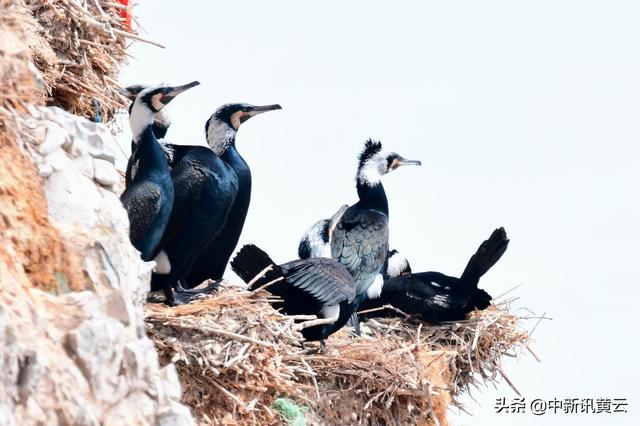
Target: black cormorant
{"points": [[149, 196], [360, 240], [221, 134], [161, 121], [212, 189], [316, 241], [438, 297], [317, 286], [160, 126]]}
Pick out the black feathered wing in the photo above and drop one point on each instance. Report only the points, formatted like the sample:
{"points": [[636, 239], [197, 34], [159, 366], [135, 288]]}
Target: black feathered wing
{"points": [[142, 202], [325, 280], [360, 242], [190, 177]]}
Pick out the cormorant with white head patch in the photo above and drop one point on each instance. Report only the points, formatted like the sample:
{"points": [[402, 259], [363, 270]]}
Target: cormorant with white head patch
{"points": [[435, 296], [149, 195], [360, 240], [222, 128], [317, 286], [160, 126], [212, 191], [161, 121]]}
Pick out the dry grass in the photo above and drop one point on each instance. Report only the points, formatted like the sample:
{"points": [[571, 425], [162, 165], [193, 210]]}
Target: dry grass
{"points": [[74, 50], [19, 85], [230, 351], [235, 355]]}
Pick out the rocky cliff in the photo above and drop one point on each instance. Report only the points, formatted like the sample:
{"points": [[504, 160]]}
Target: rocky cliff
{"points": [[72, 337]]}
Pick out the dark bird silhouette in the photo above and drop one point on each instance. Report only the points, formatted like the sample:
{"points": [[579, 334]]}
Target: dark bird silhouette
{"points": [[360, 240], [149, 196], [317, 286], [212, 191], [222, 129], [438, 297]]}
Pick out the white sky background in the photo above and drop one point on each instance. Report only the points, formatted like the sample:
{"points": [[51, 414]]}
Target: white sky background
{"points": [[524, 116]]}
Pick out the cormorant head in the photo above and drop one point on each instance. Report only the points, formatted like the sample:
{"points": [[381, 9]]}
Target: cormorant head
{"points": [[397, 265], [150, 101], [373, 163], [161, 122], [222, 126]]}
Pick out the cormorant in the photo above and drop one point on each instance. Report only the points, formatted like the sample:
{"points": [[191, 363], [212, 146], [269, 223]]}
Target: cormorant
{"points": [[161, 123], [438, 297], [149, 196], [212, 189], [222, 128], [316, 241], [317, 286], [360, 240]]}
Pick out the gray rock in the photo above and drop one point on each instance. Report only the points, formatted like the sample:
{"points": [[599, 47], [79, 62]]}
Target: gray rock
{"points": [[140, 363], [116, 307], [137, 409], [105, 173], [175, 414], [58, 161], [84, 164], [98, 347], [44, 169], [30, 374], [55, 137], [72, 198], [89, 360], [171, 382], [6, 414]]}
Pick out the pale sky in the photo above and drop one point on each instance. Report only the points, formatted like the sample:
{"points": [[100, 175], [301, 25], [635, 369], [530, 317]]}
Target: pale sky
{"points": [[524, 114]]}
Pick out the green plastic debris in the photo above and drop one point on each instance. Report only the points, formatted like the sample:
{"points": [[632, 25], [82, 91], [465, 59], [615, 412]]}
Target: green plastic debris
{"points": [[290, 411]]}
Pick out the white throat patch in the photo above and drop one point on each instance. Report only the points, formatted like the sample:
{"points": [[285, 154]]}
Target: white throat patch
{"points": [[141, 117], [162, 118], [219, 136]]}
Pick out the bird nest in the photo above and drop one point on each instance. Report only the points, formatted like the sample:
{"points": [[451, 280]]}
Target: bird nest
{"points": [[66, 53], [238, 358]]}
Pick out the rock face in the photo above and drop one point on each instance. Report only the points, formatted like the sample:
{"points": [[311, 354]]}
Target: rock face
{"points": [[76, 353]]}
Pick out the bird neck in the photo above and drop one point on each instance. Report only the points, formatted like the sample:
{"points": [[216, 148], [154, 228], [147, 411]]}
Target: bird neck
{"points": [[220, 137], [372, 196], [149, 153], [160, 130], [140, 119]]}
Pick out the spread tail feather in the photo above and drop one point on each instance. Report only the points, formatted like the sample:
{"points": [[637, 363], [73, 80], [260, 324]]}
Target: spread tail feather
{"points": [[250, 261], [487, 255]]}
